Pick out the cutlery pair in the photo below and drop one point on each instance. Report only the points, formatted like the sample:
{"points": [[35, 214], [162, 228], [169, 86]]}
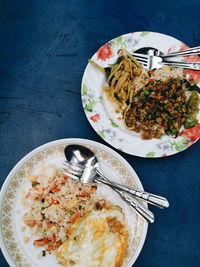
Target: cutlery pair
{"points": [[82, 165], [156, 60]]}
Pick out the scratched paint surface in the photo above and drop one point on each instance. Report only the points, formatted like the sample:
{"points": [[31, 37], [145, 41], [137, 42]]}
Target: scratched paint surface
{"points": [[44, 47]]}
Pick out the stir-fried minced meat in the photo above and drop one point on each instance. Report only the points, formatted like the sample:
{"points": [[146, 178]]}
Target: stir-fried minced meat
{"points": [[159, 108], [152, 102]]}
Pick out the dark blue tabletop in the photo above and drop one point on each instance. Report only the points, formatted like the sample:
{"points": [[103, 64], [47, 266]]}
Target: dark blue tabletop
{"points": [[44, 47]]}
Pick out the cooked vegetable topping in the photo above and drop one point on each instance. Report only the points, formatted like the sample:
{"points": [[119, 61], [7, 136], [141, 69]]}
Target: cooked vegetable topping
{"points": [[35, 183], [152, 102]]}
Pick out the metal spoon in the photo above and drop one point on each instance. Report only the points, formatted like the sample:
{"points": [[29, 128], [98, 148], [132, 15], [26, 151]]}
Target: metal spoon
{"points": [[82, 165], [83, 162]]}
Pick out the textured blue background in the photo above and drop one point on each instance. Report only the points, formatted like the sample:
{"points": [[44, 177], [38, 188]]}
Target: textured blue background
{"points": [[44, 47]]}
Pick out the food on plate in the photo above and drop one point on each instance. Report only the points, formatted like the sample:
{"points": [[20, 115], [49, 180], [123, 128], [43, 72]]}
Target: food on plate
{"points": [[98, 239], [72, 220], [152, 102]]}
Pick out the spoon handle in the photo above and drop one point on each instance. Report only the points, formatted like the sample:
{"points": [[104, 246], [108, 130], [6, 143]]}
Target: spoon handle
{"points": [[184, 65], [186, 52], [138, 207], [155, 200]]}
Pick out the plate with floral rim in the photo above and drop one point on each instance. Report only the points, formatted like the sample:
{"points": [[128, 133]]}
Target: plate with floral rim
{"points": [[100, 113], [16, 251]]}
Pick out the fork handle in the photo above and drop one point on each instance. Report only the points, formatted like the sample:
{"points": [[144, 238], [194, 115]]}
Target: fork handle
{"points": [[139, 208], [186, 52], [155, 200], [185, 65], [136, 205]]}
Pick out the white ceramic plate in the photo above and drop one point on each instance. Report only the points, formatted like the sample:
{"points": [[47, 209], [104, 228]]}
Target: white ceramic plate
{"points": [[101, 114], [16, 252]]}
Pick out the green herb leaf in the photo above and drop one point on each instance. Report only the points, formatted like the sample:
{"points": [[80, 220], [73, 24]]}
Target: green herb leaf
{"points": [[71, 212], [170, 121], [146, 92], [43, 216], [188, 124], [119, 59], [43, 253], [173, 131], [142, 98], [192, 123], [168, 131], [117, 97], [42, 208], [107, 70], [34, 184], [80, 207]]}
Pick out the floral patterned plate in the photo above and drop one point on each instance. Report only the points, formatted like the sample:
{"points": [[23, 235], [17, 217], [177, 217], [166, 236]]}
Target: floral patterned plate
{"points": [[21, 254], [101, 114]]}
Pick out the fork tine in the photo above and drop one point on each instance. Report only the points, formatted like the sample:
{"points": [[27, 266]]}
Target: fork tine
{"points": [[71, 170], [70, 175], [144, 64], [75, 164], [141, 55], [142, 61], [72, 166]]}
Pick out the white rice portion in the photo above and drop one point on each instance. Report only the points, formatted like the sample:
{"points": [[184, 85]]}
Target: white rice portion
{"points": [[165, 72]]}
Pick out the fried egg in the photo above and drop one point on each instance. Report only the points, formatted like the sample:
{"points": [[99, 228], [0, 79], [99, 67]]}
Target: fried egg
{"points": [[98, 240]]}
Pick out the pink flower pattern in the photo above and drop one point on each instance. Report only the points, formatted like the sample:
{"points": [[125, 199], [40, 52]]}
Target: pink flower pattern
{"points": [[104, 53], [95, 118], [192, 133]]}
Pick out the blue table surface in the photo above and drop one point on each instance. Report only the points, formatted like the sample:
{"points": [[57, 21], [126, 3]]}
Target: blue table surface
{"points": [[44, 47]]}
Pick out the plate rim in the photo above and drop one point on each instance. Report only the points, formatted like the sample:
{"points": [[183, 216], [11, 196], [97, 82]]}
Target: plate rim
{"points": [[60, 142], [93, 126]]}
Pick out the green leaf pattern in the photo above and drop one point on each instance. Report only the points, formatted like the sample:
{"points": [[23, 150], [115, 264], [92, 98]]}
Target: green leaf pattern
{"points": [[144, 34], [90, 102], [90, 105], [113, 123], [179, 145], [102, 134], [150, 154], [84, 90], [118, 42]]}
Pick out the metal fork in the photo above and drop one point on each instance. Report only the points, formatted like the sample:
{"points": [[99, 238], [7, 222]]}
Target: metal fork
{"points": [[186, 52], [76, 171], [151, 61]]}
